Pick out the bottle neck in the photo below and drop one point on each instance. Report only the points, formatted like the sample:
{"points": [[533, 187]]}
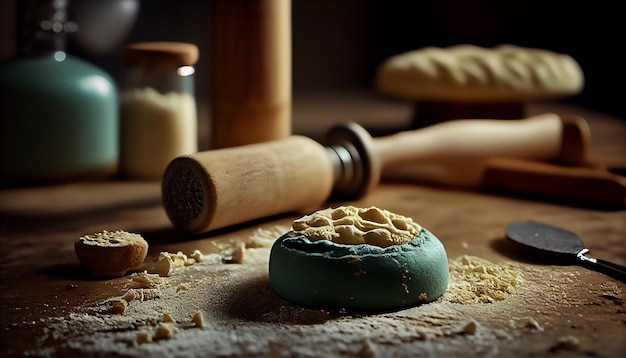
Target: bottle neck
{"points": [[43, 26]]}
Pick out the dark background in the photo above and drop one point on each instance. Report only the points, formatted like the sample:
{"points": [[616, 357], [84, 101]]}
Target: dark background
{"points": [[338, 44]]}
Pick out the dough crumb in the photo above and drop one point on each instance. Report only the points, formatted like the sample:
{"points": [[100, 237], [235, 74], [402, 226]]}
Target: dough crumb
{"points": [[197, 319], [119, 306], [130, 295], [111, 253], [470, 327], [165, 264], [144, 337], [165, 331], [197, 256], [167, 318], [234, 254]]}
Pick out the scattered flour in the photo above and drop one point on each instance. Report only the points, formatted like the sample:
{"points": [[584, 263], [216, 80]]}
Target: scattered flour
{"points": [[204, 304], [475, 280]]}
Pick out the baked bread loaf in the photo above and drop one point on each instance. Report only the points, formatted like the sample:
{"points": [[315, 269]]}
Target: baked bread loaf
{"points": [[111, 254], [358, 259], [468, 73]]}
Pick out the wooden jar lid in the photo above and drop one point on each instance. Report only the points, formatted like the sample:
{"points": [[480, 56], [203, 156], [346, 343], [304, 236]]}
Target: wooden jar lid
{"points": [[161, 53]]}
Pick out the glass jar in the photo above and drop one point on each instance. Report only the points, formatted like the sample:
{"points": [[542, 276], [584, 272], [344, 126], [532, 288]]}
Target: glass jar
{"points": [[158, 114]]}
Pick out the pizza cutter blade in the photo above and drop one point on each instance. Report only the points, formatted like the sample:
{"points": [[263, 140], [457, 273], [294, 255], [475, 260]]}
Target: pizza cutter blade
{"points": [[562, 243]]}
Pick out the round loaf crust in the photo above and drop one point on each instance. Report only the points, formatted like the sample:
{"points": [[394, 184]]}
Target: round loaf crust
{"points": [[111, 254], [468, 73], [326, 275]]}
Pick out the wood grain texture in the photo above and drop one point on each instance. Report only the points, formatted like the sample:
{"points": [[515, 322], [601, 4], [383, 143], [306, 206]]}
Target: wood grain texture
{"points": [[250, 71], [243, 183], [41, 280]]}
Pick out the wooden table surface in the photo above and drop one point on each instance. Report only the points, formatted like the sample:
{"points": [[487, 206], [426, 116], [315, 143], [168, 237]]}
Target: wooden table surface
{"points": [[557, 310]]}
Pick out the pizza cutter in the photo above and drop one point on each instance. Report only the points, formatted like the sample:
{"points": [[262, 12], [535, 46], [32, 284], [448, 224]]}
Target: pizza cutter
{"points": [[563, 244]]}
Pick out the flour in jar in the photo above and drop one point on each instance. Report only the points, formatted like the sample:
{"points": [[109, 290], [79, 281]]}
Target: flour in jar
{"points": [[155, 128]]}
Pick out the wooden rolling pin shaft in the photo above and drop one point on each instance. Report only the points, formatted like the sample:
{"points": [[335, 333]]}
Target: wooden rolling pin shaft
{"points": [[218, 188], [250, 71], [222, 187]]}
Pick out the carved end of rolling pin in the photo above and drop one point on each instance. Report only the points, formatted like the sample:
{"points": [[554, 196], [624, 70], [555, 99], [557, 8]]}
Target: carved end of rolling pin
{"points": [[218, 188]]}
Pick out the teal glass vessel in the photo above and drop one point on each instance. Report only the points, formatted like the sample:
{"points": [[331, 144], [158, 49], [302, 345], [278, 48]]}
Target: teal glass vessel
{"points": [[59, 116]]}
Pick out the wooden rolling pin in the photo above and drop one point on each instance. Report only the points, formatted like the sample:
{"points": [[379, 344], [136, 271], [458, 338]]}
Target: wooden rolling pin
{"points": [[250, 71], [221, 187], [218, 188]]}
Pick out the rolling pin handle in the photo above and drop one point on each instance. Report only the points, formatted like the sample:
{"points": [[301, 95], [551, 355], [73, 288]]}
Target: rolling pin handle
{"points": [[576, 140]]}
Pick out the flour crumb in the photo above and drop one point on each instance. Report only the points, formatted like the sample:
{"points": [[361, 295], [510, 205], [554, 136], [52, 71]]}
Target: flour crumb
{"points": [[368, 350], [476, 280], [568, 343], [526, 323], [533, 324], [129, 295], [146, 280], [141, 294], [261, 238], [470, 327]]}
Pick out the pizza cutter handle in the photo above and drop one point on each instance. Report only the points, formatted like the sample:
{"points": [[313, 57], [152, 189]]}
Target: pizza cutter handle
{"points": [[614, 269]]}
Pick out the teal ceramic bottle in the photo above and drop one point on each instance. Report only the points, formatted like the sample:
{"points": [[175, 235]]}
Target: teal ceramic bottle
{"points": [[58, 114]]}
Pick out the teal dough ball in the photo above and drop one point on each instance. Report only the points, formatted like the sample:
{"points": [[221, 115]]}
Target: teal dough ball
{"points": [[326, 275]]}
